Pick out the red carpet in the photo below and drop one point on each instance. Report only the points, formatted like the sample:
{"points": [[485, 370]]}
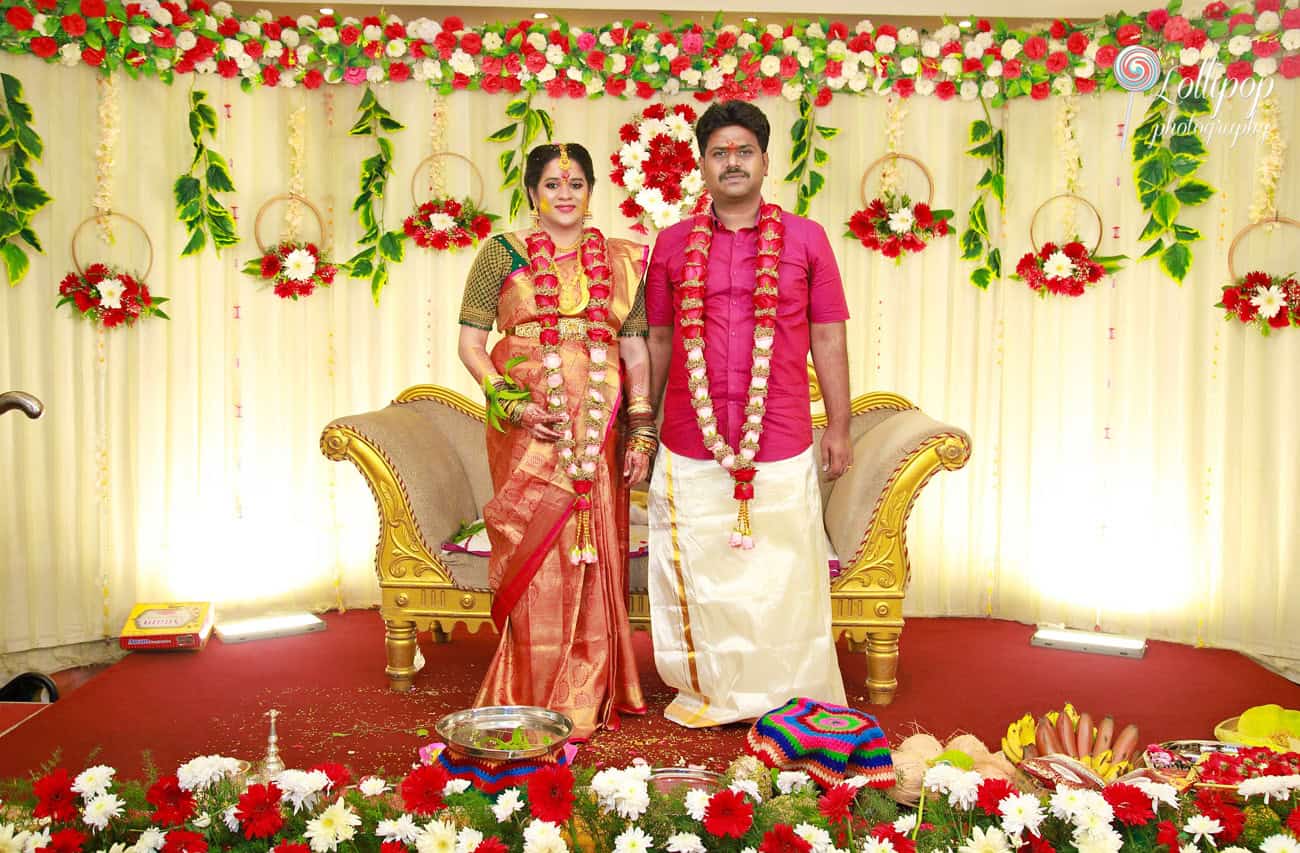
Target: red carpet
{"points": [[971, 675]]}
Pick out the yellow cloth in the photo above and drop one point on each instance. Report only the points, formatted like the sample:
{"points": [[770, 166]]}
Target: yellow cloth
{"points": [[739, 632]]}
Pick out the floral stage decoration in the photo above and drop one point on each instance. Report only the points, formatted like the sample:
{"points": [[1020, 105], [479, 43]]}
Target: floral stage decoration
{"points": [[212, 803], [294, 269], [109, 297], [895, 226], [448, 224], [1064, 270], [1264, 301], [657, 166]]}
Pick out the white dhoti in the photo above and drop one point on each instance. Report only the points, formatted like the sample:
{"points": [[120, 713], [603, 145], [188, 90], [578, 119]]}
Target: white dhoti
{"points": [[739, 632]]}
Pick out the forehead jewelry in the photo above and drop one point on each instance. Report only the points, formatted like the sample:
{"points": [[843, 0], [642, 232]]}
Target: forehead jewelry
{"points": [[565, 163]]}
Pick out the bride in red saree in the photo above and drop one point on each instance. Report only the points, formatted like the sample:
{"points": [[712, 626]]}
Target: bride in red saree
{"points": [[573, 357]]}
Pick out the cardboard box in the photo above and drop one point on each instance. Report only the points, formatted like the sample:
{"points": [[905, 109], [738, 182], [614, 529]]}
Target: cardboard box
{"points": [[168, 625]]}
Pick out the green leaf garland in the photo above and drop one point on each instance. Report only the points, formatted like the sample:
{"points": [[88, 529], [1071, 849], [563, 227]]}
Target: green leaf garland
{"points": [[1167, 152], [525, 124], [21, 194], [804, 135], [987, 142], [197, 205], [378, 246]]}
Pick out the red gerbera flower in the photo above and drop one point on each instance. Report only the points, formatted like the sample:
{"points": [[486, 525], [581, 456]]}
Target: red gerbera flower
{"points": [[65, 841], [550, 794], [338, 774], [781, 839], [1214, 805], [1293, 822], [184, 841], [56, 798], [172, 806], [1132, 807], [422, 789], [491, 844], [1167, 834], [259, 811], [837, 803], [991, 792], [270, 265], [728, 814], [299, 847], [887, 832]]}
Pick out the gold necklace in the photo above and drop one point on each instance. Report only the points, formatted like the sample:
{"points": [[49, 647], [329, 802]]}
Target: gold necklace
{"points": [[574, 293]]}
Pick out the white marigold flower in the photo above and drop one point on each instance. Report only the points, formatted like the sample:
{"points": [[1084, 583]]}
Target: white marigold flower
{"points": [[303, 52], [69, 55], [537, 40], [229, 818], [972, 50], [693, 183], [925, 87], [804, 55], [878, 845], [139, 34], [574, 73], [508, 802], [1063, 85], [403, 829], [1189, 56], [555, 54], [1021, 812], [233, 48], [37, 839], [993, 840], [16, 842], [1265, 66], [685, 842], [790, 44], [633, 840], [908, 35], [375, 74], [395, 48], [1279, 844], [543, 837], [905, 824], [290, 38], [1090, 52], [691, 77], [950, 65], [818, 838], [438, 836], [101, 809], [969, 90], [748, 787], [186, 40], [791, 780], [713, 79], [203, 821], [885, 44], [770, 65], [594, 86], [746, 41], [1209, 51], [995, 69], [792, 91], [306, 22], [864, 26], [989, 89], [1104, 840], [328, 35], [222, 9], [697, 803], [775, 31], [650, 67], [207, 66], [161, 16], [984, 40], [618, 63], [669, 52], [335, 824], [1267, 22], [273, 50], [910, 65], [93, 781], [491, 42], [1011, 49], [372, 32], [373, 786], [200, 773], [547, 74], [1084, 69], [1291, 40], [245, 62], [1237, 45], [462, 63], [606, 40], [1201, 827], [468, 840], [251, 28], [930, 48], [455, 786], [814, 31]]}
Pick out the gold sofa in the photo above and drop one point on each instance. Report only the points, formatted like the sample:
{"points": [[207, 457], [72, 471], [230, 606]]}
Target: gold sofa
{"points": [[423, 457]]}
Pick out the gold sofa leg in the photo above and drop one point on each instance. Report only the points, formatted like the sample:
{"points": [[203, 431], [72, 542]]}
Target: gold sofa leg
{"points": [[882, 666], [438, 634], [399, 638]]}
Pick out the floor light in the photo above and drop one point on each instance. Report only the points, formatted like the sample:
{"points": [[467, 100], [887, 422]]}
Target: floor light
{"points": [[266, 627], [1094, 642]]}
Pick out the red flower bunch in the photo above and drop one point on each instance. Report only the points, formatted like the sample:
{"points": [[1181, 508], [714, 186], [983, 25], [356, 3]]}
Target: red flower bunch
{"points": [[894, 226], [108, 296], [448, 224], [1248, 763], [550, 793], [422, 789], [1132, 806], [55, 798], [1065, 270], [65, 841], [172, 805], [258, 811], [184, 841], [728, 814], [338, 774], [658, 160], [1259, 299], [991, 793], [836, 805], [782, 839], [294, 269]]}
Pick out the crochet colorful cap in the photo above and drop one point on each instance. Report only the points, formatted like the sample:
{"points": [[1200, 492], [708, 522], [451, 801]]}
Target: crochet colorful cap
{"points": [[493, 777], [828, 742]]}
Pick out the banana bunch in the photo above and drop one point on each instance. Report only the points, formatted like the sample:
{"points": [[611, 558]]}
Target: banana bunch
{"points": [[1068, 732]]}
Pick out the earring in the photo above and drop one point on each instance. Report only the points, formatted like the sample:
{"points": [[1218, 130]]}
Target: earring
{"points": [[537, 218], [586, 215]]}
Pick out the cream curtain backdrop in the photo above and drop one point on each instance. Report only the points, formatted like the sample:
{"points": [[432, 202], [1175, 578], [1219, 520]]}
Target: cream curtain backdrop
{"points": [[1134, 465]]}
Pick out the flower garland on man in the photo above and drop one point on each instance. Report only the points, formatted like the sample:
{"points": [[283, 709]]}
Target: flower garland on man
{"points": [[736, 299]]}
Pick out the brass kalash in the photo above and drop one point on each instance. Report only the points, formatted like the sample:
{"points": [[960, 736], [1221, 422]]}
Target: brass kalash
{"points": [[424, 460]]}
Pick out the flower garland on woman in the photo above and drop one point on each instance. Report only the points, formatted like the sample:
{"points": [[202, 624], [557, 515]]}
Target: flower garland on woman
{"points": [[567, 300]]}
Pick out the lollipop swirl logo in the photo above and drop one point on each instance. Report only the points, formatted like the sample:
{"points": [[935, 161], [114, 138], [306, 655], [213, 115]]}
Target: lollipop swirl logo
{"points": [[1137, 68]]}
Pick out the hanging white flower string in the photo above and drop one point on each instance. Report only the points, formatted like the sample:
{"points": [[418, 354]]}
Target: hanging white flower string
{"points": [[895, 112], [438, 145], [297, 181], [1067, 142], [105, 152], [1263, 204]]}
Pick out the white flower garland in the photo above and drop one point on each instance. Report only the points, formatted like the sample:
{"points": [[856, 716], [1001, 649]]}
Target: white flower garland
{"points": [[297, 183], [438, 145], [1264, 203], [1067, 142], [895, 112], [105, 153]]}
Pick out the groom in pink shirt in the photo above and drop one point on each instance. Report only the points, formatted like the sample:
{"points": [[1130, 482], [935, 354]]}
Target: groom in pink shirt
{"points": [[737, 298]]}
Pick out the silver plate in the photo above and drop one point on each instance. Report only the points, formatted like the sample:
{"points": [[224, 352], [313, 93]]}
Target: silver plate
{"points": [[667, 780], [491, 732]]}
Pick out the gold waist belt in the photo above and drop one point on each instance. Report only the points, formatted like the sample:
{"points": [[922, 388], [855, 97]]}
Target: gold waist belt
{"points": [[571, 329]]}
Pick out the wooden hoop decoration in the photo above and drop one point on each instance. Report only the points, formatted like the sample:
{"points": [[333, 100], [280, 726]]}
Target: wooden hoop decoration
{"points": [[482, 186], [76, 263], [266, 205], [1232, 249], [1034, 219], [894, 155]]}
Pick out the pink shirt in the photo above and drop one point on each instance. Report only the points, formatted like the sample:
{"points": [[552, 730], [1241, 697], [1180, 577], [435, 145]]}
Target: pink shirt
{"points": [[809, 291]]}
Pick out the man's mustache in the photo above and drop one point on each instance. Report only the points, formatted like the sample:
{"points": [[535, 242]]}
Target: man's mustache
{"points": [[735, 173]]}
